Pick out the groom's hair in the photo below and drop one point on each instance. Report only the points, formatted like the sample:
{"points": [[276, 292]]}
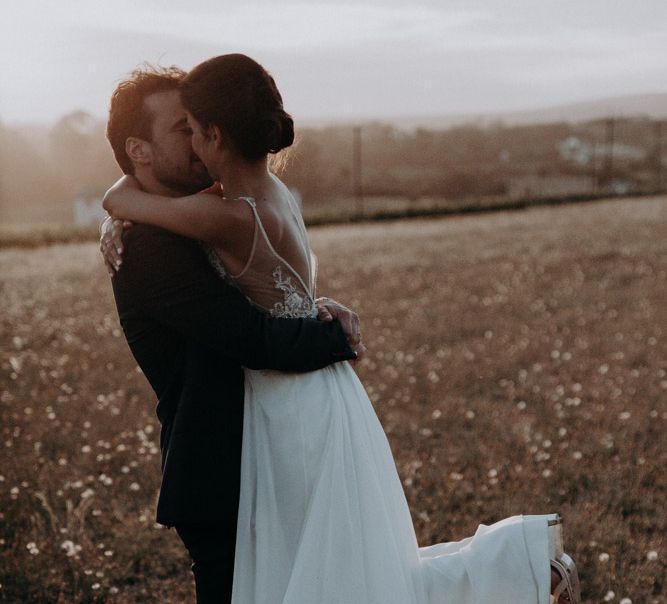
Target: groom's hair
{"points": [[128, 114]]}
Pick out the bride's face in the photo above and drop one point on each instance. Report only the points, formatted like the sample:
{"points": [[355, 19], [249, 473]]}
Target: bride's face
{"points": [[203, 145]]}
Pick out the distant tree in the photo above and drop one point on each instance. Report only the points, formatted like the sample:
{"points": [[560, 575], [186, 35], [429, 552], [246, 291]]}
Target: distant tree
{"points": [[42, 172], [80, 153], [28, 184]]}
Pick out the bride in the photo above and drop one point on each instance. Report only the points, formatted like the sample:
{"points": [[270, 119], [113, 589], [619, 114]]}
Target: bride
{"points": [[322, 514]]}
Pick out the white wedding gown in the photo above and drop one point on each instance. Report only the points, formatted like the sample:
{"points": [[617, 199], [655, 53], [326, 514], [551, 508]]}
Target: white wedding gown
{"points": [[322, 516]]}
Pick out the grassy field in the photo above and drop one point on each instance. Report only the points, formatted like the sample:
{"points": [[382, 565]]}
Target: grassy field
{"points": [[518, 361]]}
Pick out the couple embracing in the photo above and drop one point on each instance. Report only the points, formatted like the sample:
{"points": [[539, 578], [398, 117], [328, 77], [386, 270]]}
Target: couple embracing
{"points": [[277, 474]]}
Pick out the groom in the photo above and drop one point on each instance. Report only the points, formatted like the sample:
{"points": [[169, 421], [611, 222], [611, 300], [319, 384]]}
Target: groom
{"points": [[191, 333]]}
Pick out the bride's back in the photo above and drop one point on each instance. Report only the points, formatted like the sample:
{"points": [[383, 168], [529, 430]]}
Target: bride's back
{"points": [[277, 275]]}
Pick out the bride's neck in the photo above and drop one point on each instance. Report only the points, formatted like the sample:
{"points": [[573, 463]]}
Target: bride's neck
{"points": [[241, 178]]}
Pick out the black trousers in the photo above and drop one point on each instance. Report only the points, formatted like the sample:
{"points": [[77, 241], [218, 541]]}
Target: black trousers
{"points": [[211, 547]]}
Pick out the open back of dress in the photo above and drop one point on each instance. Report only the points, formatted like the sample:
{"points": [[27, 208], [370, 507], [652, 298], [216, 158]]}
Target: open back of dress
{"points": [[268, 280]]}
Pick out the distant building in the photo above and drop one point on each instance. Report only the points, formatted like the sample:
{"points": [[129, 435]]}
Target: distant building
{"points": [[549, 186], [620, 186], [575, 150], [620, 151], [87, 207]]}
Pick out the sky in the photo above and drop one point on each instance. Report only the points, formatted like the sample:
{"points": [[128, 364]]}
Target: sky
{"points": [[340, 60]]}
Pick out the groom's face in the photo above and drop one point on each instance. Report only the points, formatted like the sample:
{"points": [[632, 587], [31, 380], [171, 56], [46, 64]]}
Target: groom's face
{"points": [[174, 163]]}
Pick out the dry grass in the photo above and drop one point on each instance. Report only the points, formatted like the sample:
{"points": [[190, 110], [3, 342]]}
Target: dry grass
{"points": [[32, 236], [518, 362]]}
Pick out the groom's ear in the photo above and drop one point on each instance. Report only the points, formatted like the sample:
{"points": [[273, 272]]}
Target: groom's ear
{"points": [[138, 150], [215, 134]]}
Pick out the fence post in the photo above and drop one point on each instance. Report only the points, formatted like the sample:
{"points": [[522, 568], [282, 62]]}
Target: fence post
{"points": [[609, 152], [356, 170], [658, 156]]}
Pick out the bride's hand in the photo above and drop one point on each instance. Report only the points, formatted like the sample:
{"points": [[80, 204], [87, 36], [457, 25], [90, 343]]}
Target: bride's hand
{"points": [[329, 310], [111, 242], [123, 183]]}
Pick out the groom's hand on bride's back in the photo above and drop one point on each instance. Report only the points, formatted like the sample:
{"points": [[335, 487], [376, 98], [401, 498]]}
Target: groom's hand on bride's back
{"points": [[111, 243], [330, 310]]}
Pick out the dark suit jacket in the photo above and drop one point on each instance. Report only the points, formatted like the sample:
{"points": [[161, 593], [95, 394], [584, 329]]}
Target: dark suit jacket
{"points": [[191, 333]]}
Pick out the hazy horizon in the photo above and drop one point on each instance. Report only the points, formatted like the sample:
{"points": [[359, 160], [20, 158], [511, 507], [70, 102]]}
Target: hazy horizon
{"points": [[345, 60], [396, 119]]}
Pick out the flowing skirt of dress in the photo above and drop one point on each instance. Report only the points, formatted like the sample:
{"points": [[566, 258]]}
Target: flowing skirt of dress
{"points": [[323, 517]]}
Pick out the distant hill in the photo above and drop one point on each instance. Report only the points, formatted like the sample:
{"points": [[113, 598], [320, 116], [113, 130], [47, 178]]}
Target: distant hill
{"points": [[638, 105]]}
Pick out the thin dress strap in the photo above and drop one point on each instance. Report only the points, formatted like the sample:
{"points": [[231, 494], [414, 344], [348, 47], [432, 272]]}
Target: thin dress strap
{"points": [[258, 224], [251, 202], [304, 240]]}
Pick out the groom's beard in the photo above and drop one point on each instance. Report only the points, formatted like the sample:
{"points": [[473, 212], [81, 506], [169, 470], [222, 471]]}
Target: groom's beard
{"points": [[186, 178]]}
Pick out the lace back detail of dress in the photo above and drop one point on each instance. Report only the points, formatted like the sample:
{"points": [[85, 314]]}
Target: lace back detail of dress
{"points": [[294, 303], [269, 281]]}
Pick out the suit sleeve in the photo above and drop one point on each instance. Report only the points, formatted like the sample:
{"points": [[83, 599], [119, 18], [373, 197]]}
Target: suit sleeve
{"points": [[168, 279]]}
